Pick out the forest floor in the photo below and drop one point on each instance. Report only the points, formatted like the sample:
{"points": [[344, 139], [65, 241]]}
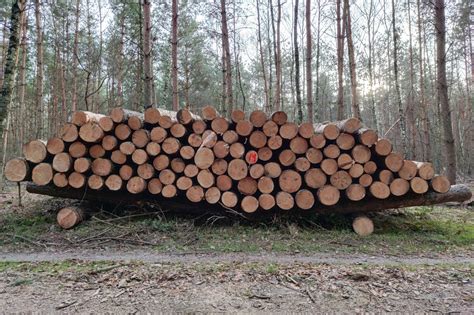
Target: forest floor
{"points": [[418, 260]]}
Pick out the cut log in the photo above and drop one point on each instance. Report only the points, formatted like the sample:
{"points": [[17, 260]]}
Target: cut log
{"points": [[237, 169], [379, 190], [219, 167], [169, 191], [280, 118], [399, 187], [302, 164], [440, 184], [408, 170], [328, 195], [186, 117], [272, 169], [266, 201], [247, 186], [178, 130], [171, 146], [204, 158], [383, 147], [139, 157], [315, 156], [126, 172], [237, 150], [146, 171], [370, 167], [102, 167], [258, 118], [205, 178], [366, 180], [140, 138], [304, 199], [270, 128], [394, 161], [332, 151], [80, 118], [136, 122], [184, 183], [317, 141], [212, 195], [265, 185], [114, 182], [237, 115], [127, 148], [69, 217], [258, 139], [209, 113], [229, 199], [186, 152], [419, 185], [315, 178], [199, 127], [76, 180], [264, 154], [17, 170], [120, 115], [289, 130], [167, 177], [290, 181], [153, 149], [158, 135], [367, 137], [151, 116], [62, 162], [122, 132], [345, 141], [155, 186], [35, 151], [275, 142], [425, 170], [221, 149], [95, 182], [191, 170], [306, 130], [361, 154], [287, 157], [136, 185], [55, 145], [91, 132], [329, 166], [299, 145], [363, 226], [386, 177], [60, 180], [69, 133], [118, 157], [195, 194], [195, 140], [177, 165], [284, 200], [355, 192], [249, 204], [109, 143], [209, 139], [82, 165], [230, 136], [256, 171], [77, 149], [345, 161], [349, 125], [106, 123], [341, 180], [220, 125], [244, 128], [356, 170], [330, 131], [224, 182]]}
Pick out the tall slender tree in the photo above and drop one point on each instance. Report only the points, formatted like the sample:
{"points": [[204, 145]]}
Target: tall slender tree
{"points": [[278, 72], [174, 53], [299, 106], [340, 61], [39, 70], [147, 55], [309, 57], [262, 60], [228, 65], [352, 62]]}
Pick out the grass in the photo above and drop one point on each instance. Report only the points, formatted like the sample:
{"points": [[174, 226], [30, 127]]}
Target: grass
{"points": [[418, 230]]}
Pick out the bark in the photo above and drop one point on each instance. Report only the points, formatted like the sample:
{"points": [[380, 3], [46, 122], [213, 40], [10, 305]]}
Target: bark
{"points": [[370, 64], [174, 53], [11, 60], [121, 58], [278, 72], [228, 66], [22, 114], [297, 65], [340, 62], [147, 58], [39, 71], [75, 57], [411, 152], [309, 55], [352, 63], [442, 87], [317, 111], [262, 61]]}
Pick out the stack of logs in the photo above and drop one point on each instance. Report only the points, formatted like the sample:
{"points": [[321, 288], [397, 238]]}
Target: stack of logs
{"points": [[247, 163]]}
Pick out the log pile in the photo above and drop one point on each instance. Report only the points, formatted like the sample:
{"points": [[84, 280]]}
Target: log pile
{"points": [[260, 162]]}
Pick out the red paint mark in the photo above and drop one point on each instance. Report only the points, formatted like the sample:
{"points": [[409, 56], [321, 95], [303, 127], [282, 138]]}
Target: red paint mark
{"points": [[252, 157]]}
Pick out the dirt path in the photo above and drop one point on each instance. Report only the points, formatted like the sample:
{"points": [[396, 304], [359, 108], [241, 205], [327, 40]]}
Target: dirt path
{"points": [[149, 256]]}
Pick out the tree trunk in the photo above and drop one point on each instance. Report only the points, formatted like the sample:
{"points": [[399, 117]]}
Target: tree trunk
{"points": [[309, 55], [442, 87], [278, 60], [12, 57], [147, 58], [317, 113], [340, 62], [22, 115], [174, 53], [262, 61], [297, 65], [228, 68], [75, 57], [39, 71], [411, 152], [352, 63]]}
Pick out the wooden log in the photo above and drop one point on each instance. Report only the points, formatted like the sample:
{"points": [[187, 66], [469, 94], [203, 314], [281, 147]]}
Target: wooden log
{"points": [[247, 186], [69, 133], [332, 151], [425, 170], [178, 130], [256, 171], [205, 178], [224, 182], [77, 149], [328, 195], [76, 180], [153, 149], [199, 127], [102, 167], [71, 216], [195, 194], [299, 145], [258, 139], [361, 154], [195, 140], [355, 192], [258, 118], [237, 150], [186, 117], [158, 134], [237, 169], [127, 147], [287, 157], [35, 151], [55, 145], [167, 177], [62, 162], [17, 170], [394, 161], [230, 137], [315, 156], [457, 193], [126, 172], [120, 115], [265, 185], [383, 147], [315, 178], [249, 204], [367, 137], [171, 146], [345, 161], [366, 180], [186, 152], [95, 182], [341, 180], [330, 131], [191, 170], [229, 199], [118, 157], [356, 170], [270, 128], [266, 201], [151, 116], [146, 171], [419, 185], [408, 170], [184, 183], [60, 180], [440, 184], [177, 165], [265, 154], [329, 166], [221, 149], [304, 199], [272, 169], [114, 182], [91, 132], [379, 190], [290, 181], [106, 123], [212, 195], [220, 125], [82, 165], [345, 141], [280, 117], [204, 158], [302, 164], [349, 125], [139, 157], [80, 118], [306, 130], [386, 177], [284, 200], [363, 226], [208, 113], [219, 167], [237, 115], [154, 186], [399, 187], [209, 139], [317, 141], [288, 131], [370, 167], [136, 185], [96, 151], [169, 191], [136, 122], [244, 128], [109, 143], [275, 142], [122, 132], [140, 138]]}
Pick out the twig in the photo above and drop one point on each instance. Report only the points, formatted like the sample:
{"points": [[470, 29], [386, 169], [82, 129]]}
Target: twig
{"points": [[311, 297], [63, 306], [26, 239], [105, 269]]}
